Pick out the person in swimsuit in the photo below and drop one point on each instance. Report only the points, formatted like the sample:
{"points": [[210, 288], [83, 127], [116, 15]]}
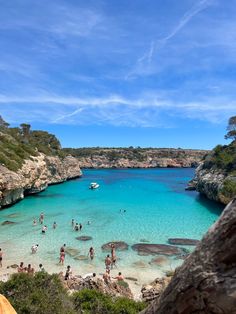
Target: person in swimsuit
{"points": [[73, 223], [119, 277], [44, 228], [80, 227], [34, 222], [54, 225], [108, 262], [21, 268], [41, 268], [76, 227], [68, 273], [113, 255], [62, 258], [91, 253], [106, 277], [34, 248], [41, 218], [1, 253], [62, 249]]}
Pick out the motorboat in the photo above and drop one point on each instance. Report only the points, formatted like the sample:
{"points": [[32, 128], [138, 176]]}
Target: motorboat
{"points": [[94, 185]]}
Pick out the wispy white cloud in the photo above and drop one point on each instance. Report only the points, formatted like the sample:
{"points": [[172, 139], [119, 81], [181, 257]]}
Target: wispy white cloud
{"points": [[143, 64]]}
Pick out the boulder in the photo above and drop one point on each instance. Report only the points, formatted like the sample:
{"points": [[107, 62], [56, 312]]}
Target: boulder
{"points": [[8, 222], [119, 246], [159, 261], [206, 281], [71, 251], [81, 258], [153, 290], [84, 238], [182, 241], [155, 249]]}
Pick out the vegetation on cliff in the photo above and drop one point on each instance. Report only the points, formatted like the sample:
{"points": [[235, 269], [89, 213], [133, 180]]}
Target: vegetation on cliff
{"points": [[222, 159], [18, 144], [44, 294]]}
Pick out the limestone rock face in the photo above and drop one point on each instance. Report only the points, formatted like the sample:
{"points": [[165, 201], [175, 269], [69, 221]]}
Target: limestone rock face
{"points": [[206, 282], [11, 187], [35, 175], [210, 183], [146, 158], [112, 288]]}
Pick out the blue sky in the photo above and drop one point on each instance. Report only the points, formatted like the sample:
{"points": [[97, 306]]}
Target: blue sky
{"points": [[118, 73]]}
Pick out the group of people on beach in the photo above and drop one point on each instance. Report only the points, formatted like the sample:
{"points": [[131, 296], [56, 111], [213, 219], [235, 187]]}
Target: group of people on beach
{"points": [[28, 269]]}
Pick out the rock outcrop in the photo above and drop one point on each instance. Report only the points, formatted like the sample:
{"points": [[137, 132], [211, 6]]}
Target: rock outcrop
{"points": [[211, 183], [35, 175], [137, 157], [206, 282], [112, 288]]}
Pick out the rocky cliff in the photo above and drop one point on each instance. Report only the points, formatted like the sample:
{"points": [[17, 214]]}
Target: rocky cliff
{"points": [[35, 175], [30, 161], [215, 177], [206, 282], [137, 157]]}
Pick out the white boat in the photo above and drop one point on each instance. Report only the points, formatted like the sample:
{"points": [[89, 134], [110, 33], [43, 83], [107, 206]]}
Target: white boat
{"points": [[94, 185]]}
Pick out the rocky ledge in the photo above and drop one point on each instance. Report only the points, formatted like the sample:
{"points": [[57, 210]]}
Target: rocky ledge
{"points": [[211, 183], [34, 176], [137, 157]]}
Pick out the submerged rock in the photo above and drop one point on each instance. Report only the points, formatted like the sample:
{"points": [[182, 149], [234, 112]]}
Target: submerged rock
{"points": [[144, 240], [155, 249], [183, 241], [131, 278], [206, 281], [119, 246], [140, 264], [8, 222], [72, 251], [159, 261], [81, 258], [84, 238]]}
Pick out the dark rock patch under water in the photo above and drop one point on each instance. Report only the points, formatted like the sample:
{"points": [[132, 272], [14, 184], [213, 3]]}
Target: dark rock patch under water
{"points": [[119, 246], [8, 222], [182, 241], [84, 238], [155, 249], [71, 251], [159, 261]]}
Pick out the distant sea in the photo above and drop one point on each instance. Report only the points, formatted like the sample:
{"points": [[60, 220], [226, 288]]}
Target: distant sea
{"points": [[156, 205]]}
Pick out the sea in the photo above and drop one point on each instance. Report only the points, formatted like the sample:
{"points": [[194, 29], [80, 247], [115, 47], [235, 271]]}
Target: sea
{"points": [[131, 205]]}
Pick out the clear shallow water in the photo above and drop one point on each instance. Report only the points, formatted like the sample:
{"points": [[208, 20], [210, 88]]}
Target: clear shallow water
{"points": [[157, 208]]}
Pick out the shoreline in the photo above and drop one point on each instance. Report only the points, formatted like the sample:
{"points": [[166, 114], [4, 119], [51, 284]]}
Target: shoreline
{"points": [[143, 277]]}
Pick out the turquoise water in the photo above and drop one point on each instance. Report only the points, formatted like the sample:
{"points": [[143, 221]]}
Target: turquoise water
{"points": [[157, 208]]}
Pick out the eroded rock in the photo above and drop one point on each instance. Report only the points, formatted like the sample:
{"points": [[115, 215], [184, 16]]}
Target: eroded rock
{"points": [[154, 249], [183, 241], [119, 246], [84, 238]]}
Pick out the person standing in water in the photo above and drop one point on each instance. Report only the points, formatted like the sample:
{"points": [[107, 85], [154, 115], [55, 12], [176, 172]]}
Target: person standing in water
{"points": [[54, 225], [41, 218], [91, 253], [113, 255], [76, 227], [62, 257], [34, 222], [1, 253], [44, 229], [108, 262], [73, 223], [80, 227]]}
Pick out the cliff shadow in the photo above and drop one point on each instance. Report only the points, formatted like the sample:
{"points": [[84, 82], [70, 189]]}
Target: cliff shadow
{"points": [[212, 206]]}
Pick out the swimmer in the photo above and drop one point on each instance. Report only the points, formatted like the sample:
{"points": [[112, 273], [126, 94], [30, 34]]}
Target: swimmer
{"points": [[54, 225], [41, 218], [88, 223], [34, 222], [73, 223], [91, 253], [34, 248], [76, 227], [44, 229], [80, 227]]}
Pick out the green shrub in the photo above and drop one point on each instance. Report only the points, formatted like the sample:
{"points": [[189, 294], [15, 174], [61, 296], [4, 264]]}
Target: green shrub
{"points": [[41, 294], [229, 189], [91, 301]]}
